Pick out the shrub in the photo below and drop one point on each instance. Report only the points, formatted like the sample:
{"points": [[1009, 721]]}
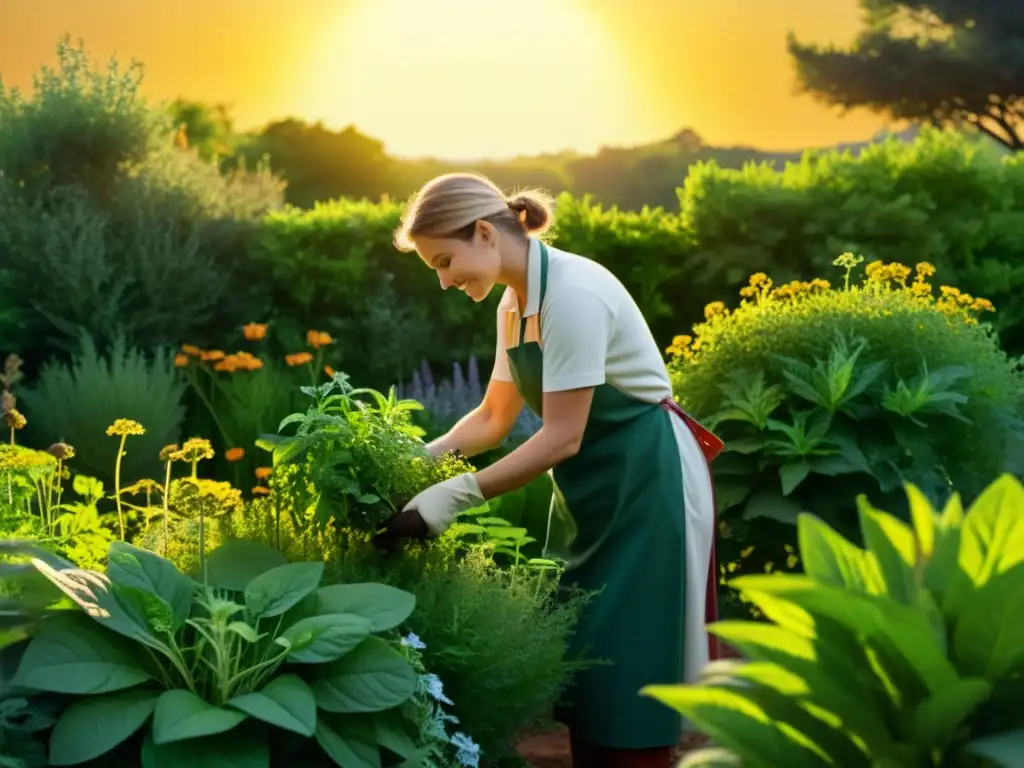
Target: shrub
{"points": [[106, 225], [908, 652], [77, 401], [823, 393]]}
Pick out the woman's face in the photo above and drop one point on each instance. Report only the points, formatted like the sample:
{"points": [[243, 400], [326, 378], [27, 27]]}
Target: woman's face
{"points": [[471, 266]]}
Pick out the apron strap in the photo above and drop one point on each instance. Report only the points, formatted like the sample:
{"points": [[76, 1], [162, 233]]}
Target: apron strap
{"points": [[543, 287]]}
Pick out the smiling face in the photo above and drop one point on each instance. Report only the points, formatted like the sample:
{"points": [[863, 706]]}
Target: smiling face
{"points": [[472, 266]]}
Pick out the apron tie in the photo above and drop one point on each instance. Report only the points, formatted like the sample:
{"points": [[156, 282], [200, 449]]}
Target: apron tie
{"points": [[710, 446]]}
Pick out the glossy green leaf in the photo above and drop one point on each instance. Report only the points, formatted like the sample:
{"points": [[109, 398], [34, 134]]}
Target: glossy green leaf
{"points": [[143, 570], [371, 678], [792, 474], [349, 741], [93, 726], [383, 605], [246, 751], [392, 730], [275, 591], [236, 563], [739, 725], [286, 701], [72, 655], [939, 718], [710, 757], [183, 715], [892, 544], [993, 531], [830, 559], [319, 639], [989, 637]]}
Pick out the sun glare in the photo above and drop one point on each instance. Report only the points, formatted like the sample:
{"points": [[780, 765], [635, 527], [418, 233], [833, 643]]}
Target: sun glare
{"points": [[466, 79]]}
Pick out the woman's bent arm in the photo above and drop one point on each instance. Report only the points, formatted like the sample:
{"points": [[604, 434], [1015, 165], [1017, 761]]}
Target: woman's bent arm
{"points": [[485, 426], [565, 419]]}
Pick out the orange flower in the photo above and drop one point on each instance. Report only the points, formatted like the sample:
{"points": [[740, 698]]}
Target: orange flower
{"points": [[234, 454], [240, 361], [191, 349], [254, 331], [181, 361], [299, 358], [262, 473], [213, 354], [259, 490], [318, 339], [329, 371]]}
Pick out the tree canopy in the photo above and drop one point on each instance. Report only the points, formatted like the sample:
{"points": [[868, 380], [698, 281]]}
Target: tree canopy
{"points": [[941, 61]]}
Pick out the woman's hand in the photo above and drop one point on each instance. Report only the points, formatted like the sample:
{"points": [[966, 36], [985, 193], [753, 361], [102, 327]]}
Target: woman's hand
{"points": [[433, 510]]}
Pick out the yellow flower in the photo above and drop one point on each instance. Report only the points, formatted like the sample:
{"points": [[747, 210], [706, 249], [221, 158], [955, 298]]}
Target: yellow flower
{"points": [[848, 260], [181, 361], [262, 473], [758, 278], [260, 490], [192, 350], [125, 427], [168, 452], [195, 449], [212, 355], [318, 339], [254, 331], [299, 358], [14, 419], [983, 305], [234, 454], [924, 270], [714, 309]]}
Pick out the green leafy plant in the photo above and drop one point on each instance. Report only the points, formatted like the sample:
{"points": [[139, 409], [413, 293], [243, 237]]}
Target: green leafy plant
{"points": [[909, 652], [354, 462], [259, 643], [822, 394]]}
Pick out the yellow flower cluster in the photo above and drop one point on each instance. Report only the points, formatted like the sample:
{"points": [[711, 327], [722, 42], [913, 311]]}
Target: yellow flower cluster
{"points": [[885, 288]]}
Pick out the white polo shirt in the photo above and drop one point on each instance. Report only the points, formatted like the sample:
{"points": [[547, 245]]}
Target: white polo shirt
{"points": [[591, 330]]}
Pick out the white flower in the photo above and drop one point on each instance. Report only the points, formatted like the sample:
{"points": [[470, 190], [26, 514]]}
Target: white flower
{"points": [[413, 641], [435, 688], [468, 750]]}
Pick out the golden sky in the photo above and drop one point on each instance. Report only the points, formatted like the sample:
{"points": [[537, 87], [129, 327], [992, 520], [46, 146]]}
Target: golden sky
{"points": [[469, 78]]}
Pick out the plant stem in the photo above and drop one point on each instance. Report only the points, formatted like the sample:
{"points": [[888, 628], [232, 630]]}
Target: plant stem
{"points": [[117, 485], [202, 546], [209, 406], [167, 490]]}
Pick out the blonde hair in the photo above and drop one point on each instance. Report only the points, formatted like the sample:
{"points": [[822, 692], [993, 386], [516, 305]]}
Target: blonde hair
{"points": [[452, 204]]}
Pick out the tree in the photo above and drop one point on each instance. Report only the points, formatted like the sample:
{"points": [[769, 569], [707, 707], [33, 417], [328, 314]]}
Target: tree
{"points": [[947, 62]]}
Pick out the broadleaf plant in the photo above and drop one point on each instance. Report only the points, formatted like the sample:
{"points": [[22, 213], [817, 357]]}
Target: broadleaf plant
{"points": [[168, 664], [908, 653]]}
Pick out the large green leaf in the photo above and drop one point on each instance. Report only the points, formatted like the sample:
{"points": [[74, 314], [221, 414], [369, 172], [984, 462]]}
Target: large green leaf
{"points": [[349, 741], [938, 719], [392, 732], [319, 639], [140, 569], [710, 757], [1004, 749], [791, 474], [236, 563], [92, 727], [993, 531], [183, 715], [923, 518], [829, 558], [94, 594], [72, 655], [383, 605], [286, 701], [738, 724], [835, 679], [989, 637], [906, 630], [249, 751], [371, 678], [773, 505], [892, 544], [274, 592]]}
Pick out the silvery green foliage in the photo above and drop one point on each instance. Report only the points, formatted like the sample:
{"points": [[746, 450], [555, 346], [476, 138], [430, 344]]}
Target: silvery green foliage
{"points": [[450, 399]]}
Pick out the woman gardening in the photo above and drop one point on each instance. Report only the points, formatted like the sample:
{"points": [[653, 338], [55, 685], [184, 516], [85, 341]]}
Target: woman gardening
{"points": [[634, 516]]}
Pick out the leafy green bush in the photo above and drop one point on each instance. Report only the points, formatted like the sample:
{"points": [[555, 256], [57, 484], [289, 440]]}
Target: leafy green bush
{"points": [[75, 402], [105, 224], [907, 653], [258, 641], [355, 463], [821, 394]]}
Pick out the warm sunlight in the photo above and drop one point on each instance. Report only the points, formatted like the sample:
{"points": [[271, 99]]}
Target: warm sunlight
{"points": [[473, 78]]}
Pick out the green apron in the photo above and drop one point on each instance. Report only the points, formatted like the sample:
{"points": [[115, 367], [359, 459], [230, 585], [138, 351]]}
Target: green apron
{"points": [[619, 526]]}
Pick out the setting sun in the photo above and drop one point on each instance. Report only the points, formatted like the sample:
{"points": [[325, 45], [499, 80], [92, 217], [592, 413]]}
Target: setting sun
{"points": [[473, 78]]}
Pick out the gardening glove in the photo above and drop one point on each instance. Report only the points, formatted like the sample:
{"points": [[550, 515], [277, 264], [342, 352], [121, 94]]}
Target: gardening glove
{"points": [[440, 503]]}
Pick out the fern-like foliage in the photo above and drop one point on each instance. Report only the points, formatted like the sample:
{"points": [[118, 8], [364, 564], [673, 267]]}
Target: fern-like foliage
{"points": [[76, 403]]}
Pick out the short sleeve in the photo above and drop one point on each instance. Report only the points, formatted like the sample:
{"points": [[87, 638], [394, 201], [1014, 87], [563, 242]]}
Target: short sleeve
{"points": [[576, 327], [501, 370]]}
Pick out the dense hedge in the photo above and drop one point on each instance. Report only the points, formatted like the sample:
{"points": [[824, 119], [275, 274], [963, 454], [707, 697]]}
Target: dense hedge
{"points": [[942, 200]]}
